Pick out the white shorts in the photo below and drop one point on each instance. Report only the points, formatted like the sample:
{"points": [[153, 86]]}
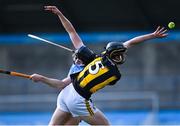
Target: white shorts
{"points": [[70, 101]]}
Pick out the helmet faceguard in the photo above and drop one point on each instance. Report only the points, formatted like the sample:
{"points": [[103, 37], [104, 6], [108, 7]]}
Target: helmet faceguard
{"points": [[116, 52]]}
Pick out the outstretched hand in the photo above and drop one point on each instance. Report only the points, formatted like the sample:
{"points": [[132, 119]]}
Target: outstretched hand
{"points": [[52, 9], [160, 32]]}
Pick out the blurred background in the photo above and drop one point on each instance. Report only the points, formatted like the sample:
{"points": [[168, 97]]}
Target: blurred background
{"points": [[148, 92]]}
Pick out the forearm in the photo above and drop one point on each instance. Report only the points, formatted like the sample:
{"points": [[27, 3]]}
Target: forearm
{"points": [[66, 23], [138, 40], [53, 82], [76, 40]]}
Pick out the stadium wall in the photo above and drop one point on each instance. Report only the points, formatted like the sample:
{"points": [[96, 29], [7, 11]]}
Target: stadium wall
{"points": [[152, 66]]}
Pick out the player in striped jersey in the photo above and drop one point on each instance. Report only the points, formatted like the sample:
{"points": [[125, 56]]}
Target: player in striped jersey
{"points": [[95, 72]]}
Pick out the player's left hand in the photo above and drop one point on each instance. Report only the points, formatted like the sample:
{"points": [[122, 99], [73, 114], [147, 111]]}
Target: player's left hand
{"points": [[52, 9], [160, 32], [36, 77]]}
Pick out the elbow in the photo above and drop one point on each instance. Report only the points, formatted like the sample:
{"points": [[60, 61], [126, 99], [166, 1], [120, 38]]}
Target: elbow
{"points": [[61, 86]]}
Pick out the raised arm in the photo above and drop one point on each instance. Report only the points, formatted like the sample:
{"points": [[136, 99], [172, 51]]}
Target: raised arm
{"points": [[75, 38], [60, 84], [158, 33]]}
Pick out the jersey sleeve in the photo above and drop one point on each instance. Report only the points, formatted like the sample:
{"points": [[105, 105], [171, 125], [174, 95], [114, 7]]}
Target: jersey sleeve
{"points": [[75, 69], [71, 70]]}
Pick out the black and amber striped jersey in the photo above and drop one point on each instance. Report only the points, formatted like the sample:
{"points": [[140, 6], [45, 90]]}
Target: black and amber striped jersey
{"points": [[96, 75]]}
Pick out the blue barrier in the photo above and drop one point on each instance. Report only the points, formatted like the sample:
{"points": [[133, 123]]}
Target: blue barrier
{"points": [[91, 37], [164, 117]]}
